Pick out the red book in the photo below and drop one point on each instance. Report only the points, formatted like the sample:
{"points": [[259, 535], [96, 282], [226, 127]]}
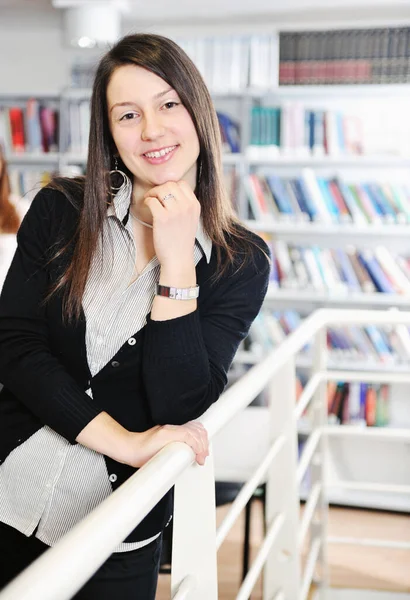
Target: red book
{"points": [[339, 200], [17, 129], [259, 193]]}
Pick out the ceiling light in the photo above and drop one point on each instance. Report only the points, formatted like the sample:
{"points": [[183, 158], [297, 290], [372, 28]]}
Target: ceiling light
{"points": [[90, 23]]}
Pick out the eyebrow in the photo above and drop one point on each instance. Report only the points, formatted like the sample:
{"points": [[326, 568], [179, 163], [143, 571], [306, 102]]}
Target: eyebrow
{"points": [[155, 97]]}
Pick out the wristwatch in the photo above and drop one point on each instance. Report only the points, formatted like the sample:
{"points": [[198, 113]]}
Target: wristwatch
{"points": [[175, 293]]}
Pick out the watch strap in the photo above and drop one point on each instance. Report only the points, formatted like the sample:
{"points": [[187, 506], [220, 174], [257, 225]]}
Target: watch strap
{"points": [[175, 293]]}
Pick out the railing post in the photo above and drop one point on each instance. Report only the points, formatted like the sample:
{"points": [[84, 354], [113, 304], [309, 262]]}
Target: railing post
{"points": [[194, 532], [282, 568], [318, 413]]}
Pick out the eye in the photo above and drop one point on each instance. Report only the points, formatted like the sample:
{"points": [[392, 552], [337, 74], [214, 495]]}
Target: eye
{"points": [[128, 116], [170, 104]]}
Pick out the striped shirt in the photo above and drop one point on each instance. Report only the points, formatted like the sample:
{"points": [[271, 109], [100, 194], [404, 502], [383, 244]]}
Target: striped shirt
{"points": [[46, 482]]}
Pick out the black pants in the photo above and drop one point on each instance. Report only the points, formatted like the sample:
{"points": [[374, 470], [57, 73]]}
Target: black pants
{"points": [[125, 575]]}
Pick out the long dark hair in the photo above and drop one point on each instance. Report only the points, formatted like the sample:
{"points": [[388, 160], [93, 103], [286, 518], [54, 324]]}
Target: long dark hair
{"points": [[9, 219], [164, 58]]}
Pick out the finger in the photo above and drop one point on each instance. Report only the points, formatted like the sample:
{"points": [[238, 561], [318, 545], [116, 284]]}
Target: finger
{"points": [[201, 435], [172, 193], [161, 191], [155, 206], [197, 424], [198, 443], [200, 458]]}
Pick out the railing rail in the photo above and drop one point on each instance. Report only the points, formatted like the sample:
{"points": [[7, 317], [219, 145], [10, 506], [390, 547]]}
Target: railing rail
{"points": [[63, 569]]}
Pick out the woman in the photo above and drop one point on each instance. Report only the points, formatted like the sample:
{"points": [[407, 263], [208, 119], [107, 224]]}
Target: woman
{"points": [[122, 311]]}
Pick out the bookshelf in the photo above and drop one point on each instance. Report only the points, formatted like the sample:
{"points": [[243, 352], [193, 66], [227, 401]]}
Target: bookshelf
{"points": [[286, 298], [377, 165], [343, 463]]}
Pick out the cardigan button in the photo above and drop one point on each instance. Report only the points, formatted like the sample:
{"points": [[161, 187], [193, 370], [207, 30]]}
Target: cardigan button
{"points": [[132, 341], [115, 363], [113, 478]]}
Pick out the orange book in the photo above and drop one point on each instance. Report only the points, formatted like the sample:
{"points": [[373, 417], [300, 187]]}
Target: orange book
{"points": [[331, 391], [371, 406]]}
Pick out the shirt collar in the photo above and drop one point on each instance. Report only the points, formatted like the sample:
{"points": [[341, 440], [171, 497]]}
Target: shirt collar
{"points": [[121, 204]]}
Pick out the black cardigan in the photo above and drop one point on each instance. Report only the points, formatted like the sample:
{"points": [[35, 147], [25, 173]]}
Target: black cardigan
{"points": [[173, 373]]}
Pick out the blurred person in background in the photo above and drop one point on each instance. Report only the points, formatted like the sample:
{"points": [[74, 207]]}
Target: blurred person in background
{"points": [[9, 216]]}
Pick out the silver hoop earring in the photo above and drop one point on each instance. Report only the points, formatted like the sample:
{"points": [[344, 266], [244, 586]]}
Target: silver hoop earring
{"points": [[118, 178]]}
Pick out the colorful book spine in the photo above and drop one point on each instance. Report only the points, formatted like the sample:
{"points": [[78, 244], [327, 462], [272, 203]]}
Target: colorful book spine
{"points": [[379, 278]]}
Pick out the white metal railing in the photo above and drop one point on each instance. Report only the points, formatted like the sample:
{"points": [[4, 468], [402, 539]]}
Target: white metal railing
{"points": [[62, 570]]}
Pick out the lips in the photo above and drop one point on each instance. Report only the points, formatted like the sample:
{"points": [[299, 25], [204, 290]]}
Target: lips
{"points": [[162, 155], [160, 152]]}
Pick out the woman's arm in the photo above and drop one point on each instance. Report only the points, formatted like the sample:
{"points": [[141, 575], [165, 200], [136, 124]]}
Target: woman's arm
{"points": [[105, 435], [186, 359]]}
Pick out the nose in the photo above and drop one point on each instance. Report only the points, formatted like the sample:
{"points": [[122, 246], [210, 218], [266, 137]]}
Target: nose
{"points": [[152, 126]]}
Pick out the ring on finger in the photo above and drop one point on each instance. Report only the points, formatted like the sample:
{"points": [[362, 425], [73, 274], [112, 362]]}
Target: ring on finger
{"points": [[167, 197]]}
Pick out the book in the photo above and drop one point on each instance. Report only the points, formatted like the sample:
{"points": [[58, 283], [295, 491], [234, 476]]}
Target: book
{"points": [[33, 127], [17, 129], [230, 131]]}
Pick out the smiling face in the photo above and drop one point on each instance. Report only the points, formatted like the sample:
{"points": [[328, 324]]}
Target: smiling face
{"points": [[153, 132]]}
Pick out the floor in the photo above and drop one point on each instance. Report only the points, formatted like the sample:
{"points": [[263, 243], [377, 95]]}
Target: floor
{"points": [[350, 566]]}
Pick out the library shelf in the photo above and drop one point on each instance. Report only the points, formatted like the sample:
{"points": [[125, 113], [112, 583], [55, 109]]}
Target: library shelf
{"points": [[44, 158], [359, 161], [341, 230], [319, 299]]}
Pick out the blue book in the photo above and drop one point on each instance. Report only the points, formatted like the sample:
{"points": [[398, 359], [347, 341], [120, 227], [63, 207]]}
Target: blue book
{"points": [[361, 340], [387, 341], [231, 131], [310, 125], [316, 252], [303, 191], [374, 200], [274, 273], [346, 270], [332, 339], [344, 339], [330, 203], [292, 318], [337, 341], [319, 135], [382, 201], [363, 394], [33, 128], [298, 196], [280, 194], [377, 341], [375, 271], [340, 131]]}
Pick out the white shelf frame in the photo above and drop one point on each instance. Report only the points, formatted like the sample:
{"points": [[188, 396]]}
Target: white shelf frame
{"points": [[357, 161], [42, 158], [345, 230], [297, 297]]}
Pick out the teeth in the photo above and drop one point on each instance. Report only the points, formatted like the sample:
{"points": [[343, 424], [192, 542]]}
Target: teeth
{"points": [[160, 153]]}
